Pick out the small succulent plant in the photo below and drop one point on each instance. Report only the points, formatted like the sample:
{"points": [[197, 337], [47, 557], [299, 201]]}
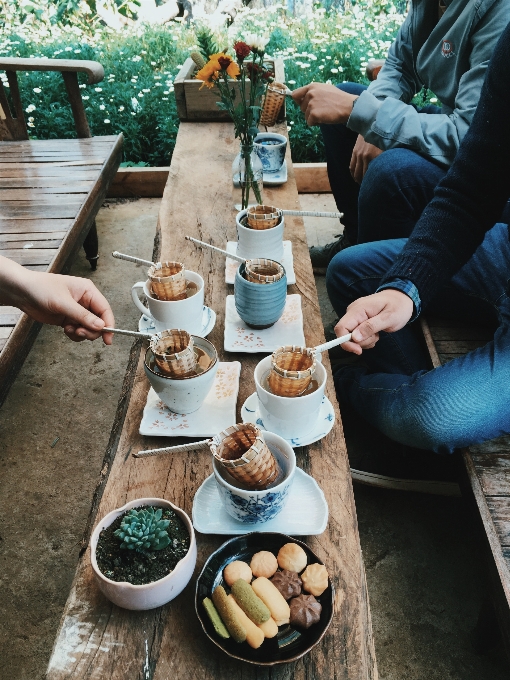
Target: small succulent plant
{"points": [[143, 530]]}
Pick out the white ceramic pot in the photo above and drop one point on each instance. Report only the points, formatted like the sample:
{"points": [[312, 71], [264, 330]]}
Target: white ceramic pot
{"points": [[184, 314], [154, 594], [290, 417], [252, 243], [249, 506], [187, 394]]}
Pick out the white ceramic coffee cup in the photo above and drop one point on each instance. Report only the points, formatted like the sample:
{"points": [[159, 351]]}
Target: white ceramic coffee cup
{"points": [[184, 314], [184, 395], [253, 243], [290, 417]]}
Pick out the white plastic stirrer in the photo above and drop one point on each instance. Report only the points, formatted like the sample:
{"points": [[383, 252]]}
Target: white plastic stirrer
{"points": [[180, 448], [135, 334], [332, 343], [218, 250], [137, 260]]}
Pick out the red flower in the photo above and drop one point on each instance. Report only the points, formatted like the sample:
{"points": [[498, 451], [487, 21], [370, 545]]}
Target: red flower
{"points": [[254, 71], [242, 50]]}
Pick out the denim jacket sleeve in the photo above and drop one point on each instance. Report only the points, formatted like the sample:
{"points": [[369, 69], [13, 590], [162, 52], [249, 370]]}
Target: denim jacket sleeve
{"points": [[384, 116]]}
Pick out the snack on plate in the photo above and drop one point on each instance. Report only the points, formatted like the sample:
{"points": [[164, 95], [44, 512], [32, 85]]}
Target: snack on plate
{"points": [[215, 618], [292, 557], [236, 570], [252, 605], [269, 628], [288, 583], [273, 599], [304, 611], [315, 579], [254, 635], [228, 614], [263, 563]]}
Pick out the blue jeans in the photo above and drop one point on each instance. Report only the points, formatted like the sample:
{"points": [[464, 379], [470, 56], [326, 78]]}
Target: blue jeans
{"points": [[464, 402], [396, 188]]}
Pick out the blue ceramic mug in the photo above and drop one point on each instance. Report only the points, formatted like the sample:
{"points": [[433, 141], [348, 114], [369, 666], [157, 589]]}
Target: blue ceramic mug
{"points": [[259, 305], [270, 148]]}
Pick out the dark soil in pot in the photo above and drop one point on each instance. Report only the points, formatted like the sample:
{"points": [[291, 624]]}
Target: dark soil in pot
{"points": [[137, 567]]}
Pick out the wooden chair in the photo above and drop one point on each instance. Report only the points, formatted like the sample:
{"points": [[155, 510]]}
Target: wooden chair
{"points": [[50, 193]]}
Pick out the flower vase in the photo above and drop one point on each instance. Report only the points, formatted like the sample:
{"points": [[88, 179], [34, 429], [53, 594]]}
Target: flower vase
{"points": [[247, 176]]}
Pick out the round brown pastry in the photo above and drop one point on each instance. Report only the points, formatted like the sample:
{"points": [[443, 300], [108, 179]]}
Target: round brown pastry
{"points": [[288, 583], [236, 570], [292, 557], [315, 579], [263, 564], [304, 611]]}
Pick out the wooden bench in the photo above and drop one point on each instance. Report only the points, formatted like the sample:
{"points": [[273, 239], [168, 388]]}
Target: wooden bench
{"points": [[97, 640], [50, 193], [484, 476]]}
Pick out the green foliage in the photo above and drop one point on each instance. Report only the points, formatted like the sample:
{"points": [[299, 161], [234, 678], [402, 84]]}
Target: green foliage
{"points": [[207, 44], [143, 530], [137, 97]]}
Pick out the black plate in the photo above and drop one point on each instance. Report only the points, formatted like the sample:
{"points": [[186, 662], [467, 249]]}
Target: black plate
{"points": [[290, 643]]}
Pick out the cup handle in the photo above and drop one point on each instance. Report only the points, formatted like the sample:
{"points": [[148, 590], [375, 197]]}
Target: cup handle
{"points": [[136, 299]]}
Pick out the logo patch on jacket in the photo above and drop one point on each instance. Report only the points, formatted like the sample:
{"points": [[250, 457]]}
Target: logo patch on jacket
{"points": [[447, 49]]}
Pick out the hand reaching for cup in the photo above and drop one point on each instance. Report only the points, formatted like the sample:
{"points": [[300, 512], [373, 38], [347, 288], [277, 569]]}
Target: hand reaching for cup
{"points": [[389, 310], [68, 301]]}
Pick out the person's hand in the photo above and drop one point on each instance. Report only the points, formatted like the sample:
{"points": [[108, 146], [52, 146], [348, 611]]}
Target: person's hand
{"points": [[362, 154], [389, 310], [68, 301], [322, 103]]}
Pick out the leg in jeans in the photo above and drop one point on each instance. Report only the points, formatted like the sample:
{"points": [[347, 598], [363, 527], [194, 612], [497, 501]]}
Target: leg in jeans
{"points": [[339, 142], [396, 188], [465, 401]]}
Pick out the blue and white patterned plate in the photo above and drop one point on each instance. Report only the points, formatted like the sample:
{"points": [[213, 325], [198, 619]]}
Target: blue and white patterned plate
{"points": [[304, 514], [275, 178], [325, 421], [146, 325]]}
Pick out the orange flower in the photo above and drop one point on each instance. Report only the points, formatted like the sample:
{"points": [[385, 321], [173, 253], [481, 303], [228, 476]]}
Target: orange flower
{"points": [[209, 73], [217, 62]]}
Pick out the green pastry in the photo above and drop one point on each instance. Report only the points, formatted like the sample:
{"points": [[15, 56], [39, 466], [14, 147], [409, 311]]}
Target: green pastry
{"points": [[228, 614], [215, 618], [250, 603]]}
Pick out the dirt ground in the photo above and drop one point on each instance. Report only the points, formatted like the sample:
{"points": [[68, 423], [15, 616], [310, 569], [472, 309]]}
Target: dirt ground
{"points": [[424, 577]]}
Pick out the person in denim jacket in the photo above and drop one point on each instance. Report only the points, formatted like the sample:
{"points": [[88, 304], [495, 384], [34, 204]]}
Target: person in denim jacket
{"points": [[385, 156]]}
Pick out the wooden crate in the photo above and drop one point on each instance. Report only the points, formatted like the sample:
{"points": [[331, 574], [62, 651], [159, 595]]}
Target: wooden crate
{"points": [[195, 104]]}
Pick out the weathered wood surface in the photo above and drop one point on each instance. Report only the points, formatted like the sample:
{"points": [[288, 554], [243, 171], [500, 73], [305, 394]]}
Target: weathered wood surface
{"points": [[97, 640], [311, 178], [44, 218], [486, 475]]}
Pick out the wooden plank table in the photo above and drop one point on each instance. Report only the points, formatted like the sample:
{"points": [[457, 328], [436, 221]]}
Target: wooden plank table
{"points": [[99, 640]]}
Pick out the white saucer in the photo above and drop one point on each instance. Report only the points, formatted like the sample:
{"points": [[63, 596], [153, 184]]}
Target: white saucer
{"points": [[287, 261], [146, 325], [324, 425], [304, 514], [275, 178], [216, 413], [288, 330]]}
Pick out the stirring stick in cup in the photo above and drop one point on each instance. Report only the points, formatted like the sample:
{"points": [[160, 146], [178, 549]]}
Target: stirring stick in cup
{"points": [[136, 260], [218, 250]]}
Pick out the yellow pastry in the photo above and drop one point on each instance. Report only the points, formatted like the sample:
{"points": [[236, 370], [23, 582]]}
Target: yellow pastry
{"points": [[273, 599], [315, 579], [264, 563], [236, 570], [269, 628], [291, 556], [254, 635]]}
